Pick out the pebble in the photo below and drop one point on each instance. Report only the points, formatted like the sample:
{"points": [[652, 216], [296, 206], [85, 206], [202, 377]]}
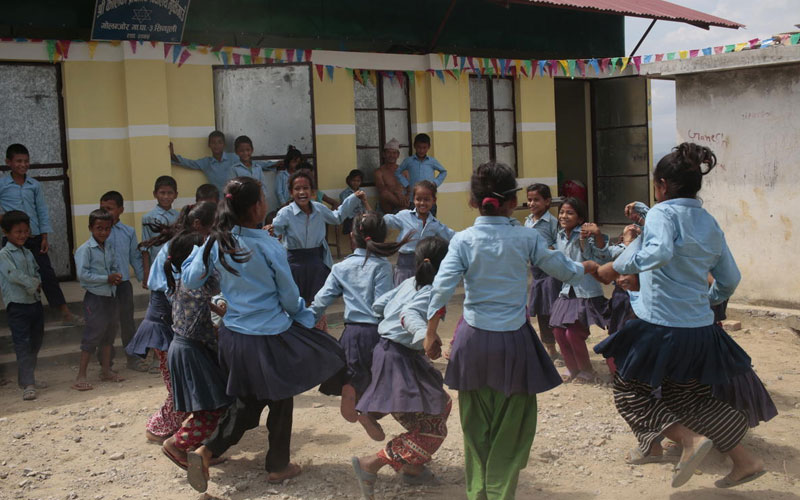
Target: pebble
{"points": [[24, 483], [317, 405], [117, 456], [242, 486], [3, 475], [115, 425], [3, 420], [272, 491], [77, 439], [18, 435]]}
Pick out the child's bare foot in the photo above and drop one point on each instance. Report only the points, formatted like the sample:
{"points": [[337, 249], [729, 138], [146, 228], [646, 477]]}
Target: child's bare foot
{"points": [[175, 454], [152, 438], [290, 471], [82, 385], [111, 376], [373, 428]]}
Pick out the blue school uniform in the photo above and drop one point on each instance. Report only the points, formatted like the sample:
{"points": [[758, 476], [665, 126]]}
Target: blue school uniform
{"points": [[266, 346], [544, 288], [157, 215], [347, 225], [28, 198], [407, 221], [155, 330], [218, 172], [19, 275], [546, 226], [256, 171], [420, 170], [126, 248], [94, 263], [282, 187]]}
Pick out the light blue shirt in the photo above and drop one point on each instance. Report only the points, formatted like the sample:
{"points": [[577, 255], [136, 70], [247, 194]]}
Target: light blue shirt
{"points": [[587, 287], [420, 170], [217, 172], [157, 280], [308, 231], [680, 244], [492, 257], [359, 282], [19, 275], [546, 225], [345, 193], [94, 265], [263, 299], [403, 310], [28, 198], [407, 221], [126, 247], [282, 187], [160, 216], [256, 171]]}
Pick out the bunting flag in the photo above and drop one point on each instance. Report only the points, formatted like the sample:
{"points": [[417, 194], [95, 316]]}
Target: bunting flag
{"points": [[329, 69], [92, 47], [298, 54], [440, 75], [604, 64], [237, 58], [719, 50], [373, 78], [278, 55], [659, 57], [637, 63], [167, 48], [254, 52], [176, 53], [268, 53], [462, 61], [457, 73], [684, 54], [754, 42], [133, 45], [51, 50], [740, 46], [449, 72], [648, 58], [410, 76], [795, 39], [564, 66], [541, 67], [729, 48], [62, 48], [289, 54], [446, 60], [224, 56], [625, 61], [595, 66], [528, 65], [670, 56], [613, 66], [320, 69], [693, 53], [307, 53], [184, 56], [471, 61], [247, 59], [153, 43], [707, 51]]}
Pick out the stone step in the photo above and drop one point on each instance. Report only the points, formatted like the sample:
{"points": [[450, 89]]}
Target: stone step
{"points": [[52, 315]]}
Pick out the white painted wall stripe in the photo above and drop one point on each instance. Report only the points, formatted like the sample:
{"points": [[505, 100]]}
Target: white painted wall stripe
{"points": [[190, 132], [428, 127], [147, 130], [536, 127], [134, 207], [103, 133], [335, 129]]}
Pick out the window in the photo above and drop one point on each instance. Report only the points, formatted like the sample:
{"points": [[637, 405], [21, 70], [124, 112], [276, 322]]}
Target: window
{"points": [[491, 110], [382, 113]]}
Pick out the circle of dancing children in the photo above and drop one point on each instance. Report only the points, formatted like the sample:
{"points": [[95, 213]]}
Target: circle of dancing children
{"points": [[421, 221], [544, 288], [155, 331], [301, 226], [674, 343], [267, 349], [404, 382], [497, 363], [360, 279], [580, 304]]}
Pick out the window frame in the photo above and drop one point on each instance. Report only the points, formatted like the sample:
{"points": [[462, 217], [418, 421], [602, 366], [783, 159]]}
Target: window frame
{"points": [[492, 145], [381, 109]]}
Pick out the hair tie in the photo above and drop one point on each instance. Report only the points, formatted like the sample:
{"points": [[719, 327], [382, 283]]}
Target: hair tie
{"points": [[228, 196], [169, 257], [367, 238], [491, 201], [426, 260]]}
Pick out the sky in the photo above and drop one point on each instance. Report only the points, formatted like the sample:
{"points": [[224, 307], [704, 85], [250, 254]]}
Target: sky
{"points": [[762, 18]]}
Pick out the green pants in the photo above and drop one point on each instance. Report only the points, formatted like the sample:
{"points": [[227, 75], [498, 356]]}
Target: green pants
{"points": [[498, 434]]}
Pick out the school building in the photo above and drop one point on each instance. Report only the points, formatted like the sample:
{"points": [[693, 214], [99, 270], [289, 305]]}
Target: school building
{"points": [[100, 115]]}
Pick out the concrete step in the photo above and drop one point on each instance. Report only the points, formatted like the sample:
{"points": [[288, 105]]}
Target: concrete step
{"points": [[51, 314]]}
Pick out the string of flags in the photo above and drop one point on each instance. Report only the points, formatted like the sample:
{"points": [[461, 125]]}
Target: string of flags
{"points": [[452, 65]]}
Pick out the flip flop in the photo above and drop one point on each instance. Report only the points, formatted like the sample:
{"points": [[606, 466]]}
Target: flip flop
{"points": [[295, 471], [348, 405], [424, 477], [636, 457], [194, 473], [82, 386], [727, 482], [373, 428], [175, 460], [685, 470], [366, 480], [29, 394]]}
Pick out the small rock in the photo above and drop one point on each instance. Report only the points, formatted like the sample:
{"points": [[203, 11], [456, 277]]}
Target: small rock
{"points": [[272, 491], [317, 405], [3, 474], [103, 428], [24, 483], [578, 413], [731, 325], [71, 495], [779, 377], [638, 474], [117, 456], [18, 435], [77, 439], [3, 420], [242, 486], [115, 425]]}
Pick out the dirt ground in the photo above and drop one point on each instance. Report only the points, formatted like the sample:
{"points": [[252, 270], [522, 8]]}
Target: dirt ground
{"points": [[90, 445]]}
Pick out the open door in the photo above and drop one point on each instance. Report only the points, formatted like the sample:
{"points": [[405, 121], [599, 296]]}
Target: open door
{"points": [[621, 146]]}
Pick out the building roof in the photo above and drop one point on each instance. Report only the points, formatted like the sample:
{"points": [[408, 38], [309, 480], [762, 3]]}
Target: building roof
{"points": [[651, 9]]}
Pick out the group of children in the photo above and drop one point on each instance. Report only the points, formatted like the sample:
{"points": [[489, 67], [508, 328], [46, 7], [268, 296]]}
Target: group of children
{"points": [[277, 279]]}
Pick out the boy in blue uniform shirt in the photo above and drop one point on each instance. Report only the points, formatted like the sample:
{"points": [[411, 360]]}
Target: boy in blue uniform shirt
{"points": [[126, 249], [218, 167], [20, 284], [99, 274], [421, 167], [20, 192], [165, 191]]}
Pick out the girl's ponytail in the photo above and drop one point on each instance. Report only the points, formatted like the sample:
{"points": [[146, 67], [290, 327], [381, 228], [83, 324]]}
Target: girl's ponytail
{"points": [[369, 232], [428, 255]]}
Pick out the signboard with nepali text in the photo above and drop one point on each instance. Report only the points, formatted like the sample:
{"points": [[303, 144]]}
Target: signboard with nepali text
{"points": [[147, 20]]}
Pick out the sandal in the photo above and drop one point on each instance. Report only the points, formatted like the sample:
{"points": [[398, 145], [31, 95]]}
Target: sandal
{"points": [[82, 386], [685, 470], [40, 385], [373, 428], [424, 477], [137, 365], [366, 480], [348, 403], [291, 470], [727, 482], [113, 377], [195, 473], [29, 393], [636, 457], [175, 460]]}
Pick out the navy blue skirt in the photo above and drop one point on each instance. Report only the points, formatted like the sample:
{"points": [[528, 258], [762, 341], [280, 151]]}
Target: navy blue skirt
{"points": [[403, 381], [543, 292], [155, 330], [570, 310], [511, 362], [198, 383], [275, 367], [618, 310], [720, 312], [650, 353], [405, 268], [308, 270], [747, 393], [358, 341]]}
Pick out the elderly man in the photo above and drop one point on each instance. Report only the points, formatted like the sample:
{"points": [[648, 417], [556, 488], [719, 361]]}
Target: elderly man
{"points": [[391, 194]]}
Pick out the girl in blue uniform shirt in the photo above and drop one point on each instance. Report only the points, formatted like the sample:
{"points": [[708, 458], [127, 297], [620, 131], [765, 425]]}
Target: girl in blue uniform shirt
{"points": [[155, 331], [544, 288], [267, 348], [360, 278], [674, 342], [497, 363], [419, 220], [581, 304], [301, 224], [285, 170]]}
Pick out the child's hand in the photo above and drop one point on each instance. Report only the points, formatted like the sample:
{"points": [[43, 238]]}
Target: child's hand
{"points": [[270, 229], [361, 195], [629, 282], [433, 346], [631, 214], [590, 229], [115, 279], [590, 266], [630, 233], [606, 274]]}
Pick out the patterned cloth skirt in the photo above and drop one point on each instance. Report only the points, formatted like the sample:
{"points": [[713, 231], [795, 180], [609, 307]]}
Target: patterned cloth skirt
{"points": [[155, 330], [198, 383]]}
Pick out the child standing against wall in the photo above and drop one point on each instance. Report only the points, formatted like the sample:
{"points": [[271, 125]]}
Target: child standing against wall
{"points": [[353, 180], [420, 167], [165, 191], [290, 162], [218, 167], [21, 287]]}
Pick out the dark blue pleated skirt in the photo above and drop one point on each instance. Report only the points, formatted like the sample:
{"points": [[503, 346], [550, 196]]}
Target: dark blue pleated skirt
{"points": [[618, 309], [198, 383], [308, 270], [511, 362], [543, 292], [570, 310], [276, 367], [405, 268], [155, 330], [720, 312], [403, 381], [747, 393], [650, 353], [358, 341]]}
